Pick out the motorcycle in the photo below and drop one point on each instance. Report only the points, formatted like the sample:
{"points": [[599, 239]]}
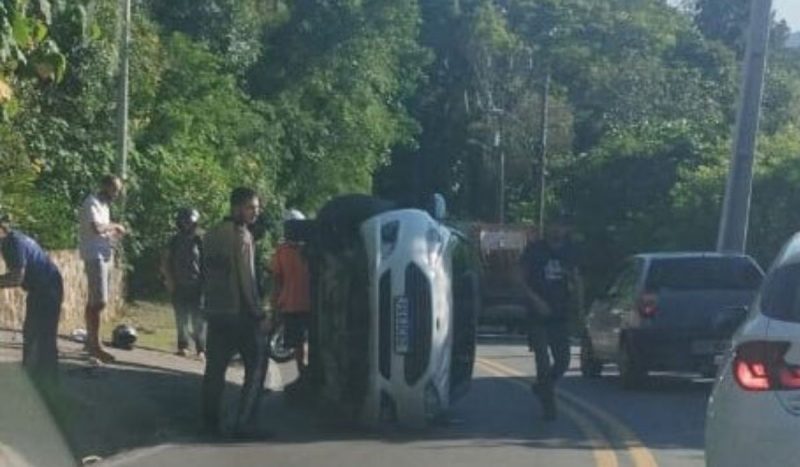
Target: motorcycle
{"points": [[277, 351]]}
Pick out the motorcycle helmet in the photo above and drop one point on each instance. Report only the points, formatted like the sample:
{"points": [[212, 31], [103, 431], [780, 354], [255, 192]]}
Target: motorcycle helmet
{"points": [[186, 216], [124, 337], [293, 215]]}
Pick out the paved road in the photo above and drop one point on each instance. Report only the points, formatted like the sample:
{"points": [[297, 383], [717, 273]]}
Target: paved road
{"points": [[497, 424]]}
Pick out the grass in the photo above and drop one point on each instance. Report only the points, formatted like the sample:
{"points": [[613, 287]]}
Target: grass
{"points": [[154, 322]]}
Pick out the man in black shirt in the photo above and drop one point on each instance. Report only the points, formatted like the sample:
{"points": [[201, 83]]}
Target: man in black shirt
{"points": [[551, 280], [182, 268]]}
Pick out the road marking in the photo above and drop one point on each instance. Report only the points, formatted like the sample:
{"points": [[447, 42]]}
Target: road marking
{"points": [[639, 453], [603, 453]]}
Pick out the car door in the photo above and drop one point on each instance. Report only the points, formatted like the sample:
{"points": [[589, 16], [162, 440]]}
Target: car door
{"points": [[619, 299], [624, 304]]}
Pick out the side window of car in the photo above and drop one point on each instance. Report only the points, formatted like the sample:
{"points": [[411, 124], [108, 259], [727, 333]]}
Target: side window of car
{"points": [[626, 281], [623, 281]]}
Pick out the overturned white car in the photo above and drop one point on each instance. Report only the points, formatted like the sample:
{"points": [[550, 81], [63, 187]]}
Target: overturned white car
{"points": [[394, 312]]}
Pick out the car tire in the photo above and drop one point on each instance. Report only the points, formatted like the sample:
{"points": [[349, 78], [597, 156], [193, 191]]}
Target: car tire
{"points": [[467, 304], [590, 366], [278, 351], [632, 373]]}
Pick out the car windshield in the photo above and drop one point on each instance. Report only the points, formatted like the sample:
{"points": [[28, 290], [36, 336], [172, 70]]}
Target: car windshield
{"points": [[704, 274]]}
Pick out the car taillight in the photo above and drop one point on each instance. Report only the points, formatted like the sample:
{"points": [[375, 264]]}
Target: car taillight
{"points": [[648, 305], [761, 366]]}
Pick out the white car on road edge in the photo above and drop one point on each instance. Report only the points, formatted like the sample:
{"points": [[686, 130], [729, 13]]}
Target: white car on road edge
{"points": [[753, 415]]}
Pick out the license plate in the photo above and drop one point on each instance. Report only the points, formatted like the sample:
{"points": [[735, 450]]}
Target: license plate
{"points": [[710, 347], [402, 326]]}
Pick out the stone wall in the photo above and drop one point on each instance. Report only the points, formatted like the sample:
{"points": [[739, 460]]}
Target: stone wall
{"points": [[12, 302]]}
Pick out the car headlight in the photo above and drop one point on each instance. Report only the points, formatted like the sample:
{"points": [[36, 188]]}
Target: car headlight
{"points": [[390, 231]]}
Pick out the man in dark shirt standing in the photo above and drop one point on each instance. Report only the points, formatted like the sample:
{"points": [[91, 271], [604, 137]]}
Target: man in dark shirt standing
{"points": [[182, 268], [552, 283], [29, 267]]}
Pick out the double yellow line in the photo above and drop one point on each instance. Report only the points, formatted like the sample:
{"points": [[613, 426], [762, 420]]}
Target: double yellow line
{"points": [[604, 451]]}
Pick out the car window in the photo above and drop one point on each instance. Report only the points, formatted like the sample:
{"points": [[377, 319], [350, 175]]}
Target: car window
{"points": [[780, 296], [704, 274], [626, 281]]}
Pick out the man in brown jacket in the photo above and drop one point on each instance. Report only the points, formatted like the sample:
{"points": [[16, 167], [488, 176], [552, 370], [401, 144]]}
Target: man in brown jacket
{"points": [[236, 320]]}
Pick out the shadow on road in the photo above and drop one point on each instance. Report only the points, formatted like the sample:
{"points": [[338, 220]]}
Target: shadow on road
{"points": [[115, 409], [126, 406]]}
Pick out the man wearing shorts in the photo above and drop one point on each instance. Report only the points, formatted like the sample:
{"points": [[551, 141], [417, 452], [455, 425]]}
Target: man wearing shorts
{"points": [[97, 234], [291, 295]]}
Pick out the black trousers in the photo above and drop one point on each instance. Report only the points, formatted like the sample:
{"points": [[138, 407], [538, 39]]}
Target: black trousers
{"points": [[550, 342], [40, 333], [227, 336]]}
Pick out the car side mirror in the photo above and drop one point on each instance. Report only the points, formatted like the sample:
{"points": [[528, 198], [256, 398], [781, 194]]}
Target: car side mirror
{"points": [[439, 207]]}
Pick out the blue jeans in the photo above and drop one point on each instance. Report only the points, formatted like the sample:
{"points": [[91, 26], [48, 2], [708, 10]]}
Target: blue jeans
{"points": [[189, 320], [40, 332]]}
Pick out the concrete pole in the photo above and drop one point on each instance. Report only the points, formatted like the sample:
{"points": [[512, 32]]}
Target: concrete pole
{"points": [[502, 186], [123, 91], [736, 207], [501, 168], [545, 118]]}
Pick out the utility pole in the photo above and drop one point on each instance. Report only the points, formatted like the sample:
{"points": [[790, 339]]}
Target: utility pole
{"points": [[544, 119], [736, 207], [502, 186], [501, 159], [122, 98]]}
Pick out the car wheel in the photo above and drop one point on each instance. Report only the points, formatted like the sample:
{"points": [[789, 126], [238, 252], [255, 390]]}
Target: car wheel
{"points": [[632, 373], [277, 348], [590, 366]]}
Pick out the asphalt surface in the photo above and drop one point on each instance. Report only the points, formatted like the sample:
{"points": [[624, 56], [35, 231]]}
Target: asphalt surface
{"points": [[498, 424]]}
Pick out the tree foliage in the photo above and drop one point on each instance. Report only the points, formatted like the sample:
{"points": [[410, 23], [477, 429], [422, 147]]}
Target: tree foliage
{"points": [[306, 99]]}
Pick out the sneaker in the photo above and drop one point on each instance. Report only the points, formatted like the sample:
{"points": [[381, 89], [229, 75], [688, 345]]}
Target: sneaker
{"points": [[201, 356], [182, 353]]}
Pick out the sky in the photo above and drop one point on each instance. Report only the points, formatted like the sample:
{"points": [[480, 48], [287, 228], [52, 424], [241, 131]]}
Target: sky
{"points": [[790, 11]]}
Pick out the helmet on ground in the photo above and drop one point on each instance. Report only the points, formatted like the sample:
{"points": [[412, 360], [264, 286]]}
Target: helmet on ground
{"points": [[124, 337]]}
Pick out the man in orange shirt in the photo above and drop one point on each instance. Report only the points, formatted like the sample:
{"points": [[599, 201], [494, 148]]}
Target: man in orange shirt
{"points": [[291, 295]]}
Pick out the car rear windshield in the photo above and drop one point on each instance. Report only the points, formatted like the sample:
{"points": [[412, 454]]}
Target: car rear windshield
{"points": [[780, 297], [703, 274]]}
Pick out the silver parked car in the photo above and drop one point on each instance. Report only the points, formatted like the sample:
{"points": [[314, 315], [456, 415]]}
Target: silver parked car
{"points": [[668, 312]]}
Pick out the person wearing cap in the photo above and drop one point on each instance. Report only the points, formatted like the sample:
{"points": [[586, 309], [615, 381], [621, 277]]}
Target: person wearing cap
{"points": [[28, 266], [182, 270], [291, 293], [550, 277], [97, 237]]}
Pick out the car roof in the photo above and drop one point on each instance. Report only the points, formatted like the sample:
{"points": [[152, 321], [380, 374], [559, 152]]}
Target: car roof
{"points": [[688, 255]]}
